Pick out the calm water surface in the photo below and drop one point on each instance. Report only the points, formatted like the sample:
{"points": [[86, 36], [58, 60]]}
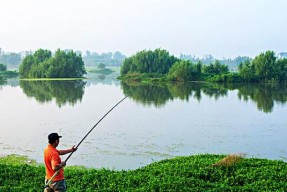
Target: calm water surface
{"points": [[153, 123]]}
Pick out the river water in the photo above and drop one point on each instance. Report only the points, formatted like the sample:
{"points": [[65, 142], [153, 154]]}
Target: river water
{"points": [[153, 123]]}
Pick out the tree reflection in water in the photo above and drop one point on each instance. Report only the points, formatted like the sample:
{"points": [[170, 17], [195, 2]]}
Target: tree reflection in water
{"points": [[64, 92], [158, 95], [264, 95], [3, 81]]}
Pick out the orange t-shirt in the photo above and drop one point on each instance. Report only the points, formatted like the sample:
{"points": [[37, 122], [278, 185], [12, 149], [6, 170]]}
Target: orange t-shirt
{"points": [[52, 159]]}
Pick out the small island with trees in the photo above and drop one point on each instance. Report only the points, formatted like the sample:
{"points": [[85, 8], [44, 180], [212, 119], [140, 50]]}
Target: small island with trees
{"points": [[42, 64]]}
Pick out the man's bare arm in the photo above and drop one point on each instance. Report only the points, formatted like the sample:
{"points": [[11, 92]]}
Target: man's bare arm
{"points": [[65, 151]]}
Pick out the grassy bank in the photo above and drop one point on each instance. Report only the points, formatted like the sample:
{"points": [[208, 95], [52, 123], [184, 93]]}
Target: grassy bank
{"points": [[101, 71], [192, 173], [145, 78], [52, 79]]}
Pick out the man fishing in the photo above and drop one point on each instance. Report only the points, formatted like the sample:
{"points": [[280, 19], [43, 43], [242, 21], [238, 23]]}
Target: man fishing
{"points": [[53, 164], [55, 180]]}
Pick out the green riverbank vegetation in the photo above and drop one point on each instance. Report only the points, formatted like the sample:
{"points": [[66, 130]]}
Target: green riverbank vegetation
{"points": [[4, 73], [159, 65], [42, 64], [191, 173]]}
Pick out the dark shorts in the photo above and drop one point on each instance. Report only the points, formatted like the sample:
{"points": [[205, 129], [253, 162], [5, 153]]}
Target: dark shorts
{"points": [[56, 186]]}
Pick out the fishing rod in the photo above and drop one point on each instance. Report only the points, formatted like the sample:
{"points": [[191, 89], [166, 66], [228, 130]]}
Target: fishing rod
{"points": [[50, 180]]}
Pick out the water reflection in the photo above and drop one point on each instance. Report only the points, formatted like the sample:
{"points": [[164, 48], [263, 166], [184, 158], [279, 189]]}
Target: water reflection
{"points": [[265, 96], [147, 94], [158, 95], [64, 92], [95, 78], [3, 81], [12, 82]]}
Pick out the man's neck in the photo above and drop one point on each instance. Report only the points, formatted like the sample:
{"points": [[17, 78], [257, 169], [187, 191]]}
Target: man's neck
{"points": [[54, 145]]}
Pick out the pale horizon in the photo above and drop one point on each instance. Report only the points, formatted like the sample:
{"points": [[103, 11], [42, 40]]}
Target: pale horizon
{"points": [[221, 28]]}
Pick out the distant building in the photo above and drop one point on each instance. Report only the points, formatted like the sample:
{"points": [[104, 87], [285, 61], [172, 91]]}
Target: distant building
{"points": [[282, 55]]}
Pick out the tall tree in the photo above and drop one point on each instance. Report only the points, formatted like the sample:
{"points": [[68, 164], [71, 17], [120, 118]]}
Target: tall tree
{"points": [[247, 71], [184, 71], [158, 61], [264, 65], [215, 68]]}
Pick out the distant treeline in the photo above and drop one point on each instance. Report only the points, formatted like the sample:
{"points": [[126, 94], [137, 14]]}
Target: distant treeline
{"points": [[208, 59], [10, 60], [159, 64], [109, 59], [91, 59]]}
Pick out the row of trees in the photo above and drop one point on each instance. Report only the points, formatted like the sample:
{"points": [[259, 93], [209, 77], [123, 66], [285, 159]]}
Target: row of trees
{"points": [[161, 62], [187, 71], [264, 68], [13, 60], [63, 64]]}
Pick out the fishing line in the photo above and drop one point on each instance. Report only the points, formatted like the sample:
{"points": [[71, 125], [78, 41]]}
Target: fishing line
{"points": [[50, 180]]}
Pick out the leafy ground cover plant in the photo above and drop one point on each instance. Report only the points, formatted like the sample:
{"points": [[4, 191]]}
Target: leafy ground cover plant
{"points": [[191, 173]]}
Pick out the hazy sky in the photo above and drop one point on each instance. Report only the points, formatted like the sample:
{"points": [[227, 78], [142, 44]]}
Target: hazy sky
{"points": [[223, 28]]}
